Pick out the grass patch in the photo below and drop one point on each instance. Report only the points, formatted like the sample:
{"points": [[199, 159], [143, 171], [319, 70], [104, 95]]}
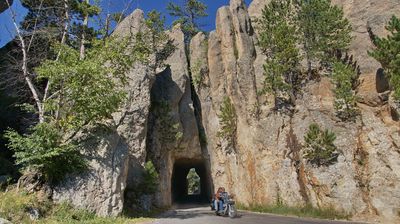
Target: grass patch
{"points": [[303, 211], [14, 206]]}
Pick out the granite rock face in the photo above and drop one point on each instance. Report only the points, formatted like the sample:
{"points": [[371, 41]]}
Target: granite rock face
{"points": [[173, 116], [267, 163], [116, 154]]}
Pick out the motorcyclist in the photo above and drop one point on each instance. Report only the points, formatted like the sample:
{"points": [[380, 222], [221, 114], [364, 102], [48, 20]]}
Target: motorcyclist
{"points": [[219, 201]]}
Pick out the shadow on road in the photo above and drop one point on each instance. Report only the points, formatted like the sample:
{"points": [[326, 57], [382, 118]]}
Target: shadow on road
{"points": [[191, 211]]}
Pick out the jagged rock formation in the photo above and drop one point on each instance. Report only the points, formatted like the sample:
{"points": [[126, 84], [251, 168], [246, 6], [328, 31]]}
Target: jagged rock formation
{"points": [[116, 154], [265, 163]]}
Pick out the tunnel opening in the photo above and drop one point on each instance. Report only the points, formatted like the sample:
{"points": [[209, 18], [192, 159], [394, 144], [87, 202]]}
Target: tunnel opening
{"points": [[186, 187]]}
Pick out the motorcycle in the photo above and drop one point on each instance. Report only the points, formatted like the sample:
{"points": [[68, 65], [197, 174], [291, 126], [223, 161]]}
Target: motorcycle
{"points": [[229, 208]]}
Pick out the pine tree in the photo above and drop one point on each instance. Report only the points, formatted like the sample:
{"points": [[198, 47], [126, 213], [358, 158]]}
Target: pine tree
{"points": [[188, 14], [324, 30], [387, 52], [346, 102], [320, 148], [161, 45], [278, 41], [228, 121]]}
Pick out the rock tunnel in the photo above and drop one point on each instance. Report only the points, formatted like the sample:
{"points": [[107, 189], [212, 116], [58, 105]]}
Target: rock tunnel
{"points": [[179, 182]]}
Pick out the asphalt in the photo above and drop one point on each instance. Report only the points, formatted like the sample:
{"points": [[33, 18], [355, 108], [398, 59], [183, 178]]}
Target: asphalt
{"points": [[203, 215]]}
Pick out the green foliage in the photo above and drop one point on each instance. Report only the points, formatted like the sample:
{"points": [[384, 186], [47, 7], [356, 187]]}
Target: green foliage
{"points": [[278, 40], [44, 151], [300, 211], [15, 204], [88, 88], [169, 130], [387, 52], [323, 28], [83, 92], [319, 146], [227, 120], [150, 180], [187, 15], [346, 102], [158, 40], [197, 73], [193, 181]]}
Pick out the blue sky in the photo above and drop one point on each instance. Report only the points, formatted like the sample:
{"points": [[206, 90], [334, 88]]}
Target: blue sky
{"points": [[7, 29]]}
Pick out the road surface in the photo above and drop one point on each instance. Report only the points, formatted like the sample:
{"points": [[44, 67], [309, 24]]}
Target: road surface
{"points": [[203, 215]]}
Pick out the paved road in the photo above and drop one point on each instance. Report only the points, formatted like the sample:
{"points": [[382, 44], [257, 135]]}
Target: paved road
{"points": [[203, 215]]}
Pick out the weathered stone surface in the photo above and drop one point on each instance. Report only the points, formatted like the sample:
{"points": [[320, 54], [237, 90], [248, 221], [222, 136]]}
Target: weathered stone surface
{"points": [[116, 154], [267, 163], [4, 221], [363, 14], [100, 188], [173, 87]]}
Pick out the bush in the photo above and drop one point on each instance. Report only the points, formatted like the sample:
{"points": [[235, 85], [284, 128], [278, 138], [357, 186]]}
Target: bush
{"points": [[343, 77], [14, 206], [169, 130], [150, 181], [197, 74], [44, 151], [320, 148], [227, 120]]}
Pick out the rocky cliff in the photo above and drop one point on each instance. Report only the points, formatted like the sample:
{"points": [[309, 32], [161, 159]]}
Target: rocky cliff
{"points": [[175, 124], [267, 162]]}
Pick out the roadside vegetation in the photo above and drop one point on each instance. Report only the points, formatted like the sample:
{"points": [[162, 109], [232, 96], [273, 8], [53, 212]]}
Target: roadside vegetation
{"points": [[301, 211], [18, 207]]}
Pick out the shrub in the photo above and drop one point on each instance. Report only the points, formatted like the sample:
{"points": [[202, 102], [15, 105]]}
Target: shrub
{"points": [[44, 151], [343, 77], [14, 206], [150, 180], [169, 130], [197, 74], [320, 148], [227, 120]]}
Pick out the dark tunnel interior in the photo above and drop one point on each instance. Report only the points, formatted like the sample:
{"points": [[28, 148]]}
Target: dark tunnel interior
{"points": [[179, 182]]}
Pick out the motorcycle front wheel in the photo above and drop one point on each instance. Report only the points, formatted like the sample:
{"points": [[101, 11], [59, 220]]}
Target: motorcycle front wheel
{"points": [[232, 211]]}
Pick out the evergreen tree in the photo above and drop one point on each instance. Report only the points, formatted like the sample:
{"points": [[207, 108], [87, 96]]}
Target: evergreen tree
{"points": [[343, 77], [228, 121], [387, 52], [278, 41], [324, 30], [320, 148], [188, 14], [160, 43]]}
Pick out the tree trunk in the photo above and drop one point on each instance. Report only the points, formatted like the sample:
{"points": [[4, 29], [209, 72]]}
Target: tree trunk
{"points": [[85, 24], [24, 67]]}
